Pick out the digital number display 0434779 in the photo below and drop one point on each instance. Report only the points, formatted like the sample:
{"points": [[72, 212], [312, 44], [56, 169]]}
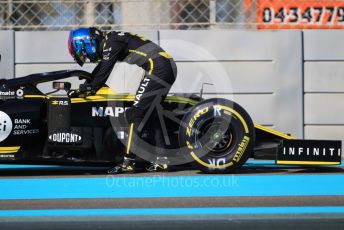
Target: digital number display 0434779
{"points": [[305, 16], [310, 15]]}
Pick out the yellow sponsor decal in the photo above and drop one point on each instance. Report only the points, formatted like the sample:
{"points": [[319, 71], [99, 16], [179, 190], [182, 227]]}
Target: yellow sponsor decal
{"points": [[242, 146], [196, 158], [235, 114], [241, 149], [189, 145], [194, 118]]}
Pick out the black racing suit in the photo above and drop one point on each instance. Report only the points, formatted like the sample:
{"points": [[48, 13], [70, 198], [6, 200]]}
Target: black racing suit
{"points": [[160, 73]]}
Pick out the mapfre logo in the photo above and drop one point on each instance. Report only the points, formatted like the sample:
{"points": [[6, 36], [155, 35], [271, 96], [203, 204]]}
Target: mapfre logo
{"points": [[108, 111], [5, 126]]}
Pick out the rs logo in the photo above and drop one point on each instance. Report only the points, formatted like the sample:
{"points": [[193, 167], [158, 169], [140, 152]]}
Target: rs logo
{"points": [[56, 102]]}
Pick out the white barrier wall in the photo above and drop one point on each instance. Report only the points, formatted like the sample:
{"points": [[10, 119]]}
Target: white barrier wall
{"points": [[258, 69], [7, 54], [261, 70], [324, 84], [47, 51]]}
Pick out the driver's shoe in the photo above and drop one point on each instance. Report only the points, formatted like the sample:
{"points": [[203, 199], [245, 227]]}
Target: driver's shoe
{"points": [[128, 166], [160, 165]]}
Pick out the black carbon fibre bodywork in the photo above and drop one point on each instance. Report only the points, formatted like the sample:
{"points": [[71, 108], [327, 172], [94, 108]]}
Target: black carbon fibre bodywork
{"points": [[101, 142], [38, 128]]}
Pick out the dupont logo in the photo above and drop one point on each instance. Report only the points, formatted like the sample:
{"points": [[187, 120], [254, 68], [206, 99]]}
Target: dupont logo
{"points": [[5, 126], [65, 138]]}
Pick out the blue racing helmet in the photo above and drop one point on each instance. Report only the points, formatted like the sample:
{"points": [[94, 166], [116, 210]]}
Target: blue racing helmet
{"points": [[84, 43]]}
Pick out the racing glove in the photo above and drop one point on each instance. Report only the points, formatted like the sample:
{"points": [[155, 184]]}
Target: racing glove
{"points": [[84, 91], [83, 88]]}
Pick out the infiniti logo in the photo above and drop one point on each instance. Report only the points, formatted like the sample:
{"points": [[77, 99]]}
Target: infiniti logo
{"points": [[5, 126]]}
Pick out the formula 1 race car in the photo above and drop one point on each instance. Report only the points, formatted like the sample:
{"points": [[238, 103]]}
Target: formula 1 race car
{"points": [[214, 135]]}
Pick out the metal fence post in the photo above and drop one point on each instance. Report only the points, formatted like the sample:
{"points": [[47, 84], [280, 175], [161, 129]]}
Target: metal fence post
{"points": [[212, 11]]}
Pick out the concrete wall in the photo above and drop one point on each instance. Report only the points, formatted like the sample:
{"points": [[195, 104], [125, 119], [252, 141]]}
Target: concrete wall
{"points": [[324, 84], [7, 54], [33, 54], [253, 68], [267, 72]]}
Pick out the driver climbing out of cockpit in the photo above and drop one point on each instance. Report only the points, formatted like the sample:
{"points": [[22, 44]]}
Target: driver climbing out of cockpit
{"points": [[106, 48]]}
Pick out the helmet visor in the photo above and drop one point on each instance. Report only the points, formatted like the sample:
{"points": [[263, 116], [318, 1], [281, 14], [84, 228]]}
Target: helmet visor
{"points": [[76, 50]]}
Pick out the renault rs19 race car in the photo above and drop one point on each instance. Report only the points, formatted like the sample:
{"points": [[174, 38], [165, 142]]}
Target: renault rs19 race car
{"points": [[216, 135]]}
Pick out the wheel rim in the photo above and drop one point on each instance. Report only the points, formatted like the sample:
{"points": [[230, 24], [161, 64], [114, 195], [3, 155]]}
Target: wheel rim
{"points": [[216, 137]]}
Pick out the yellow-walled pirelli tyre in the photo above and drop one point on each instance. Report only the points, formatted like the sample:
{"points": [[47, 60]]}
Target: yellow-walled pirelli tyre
{"points": [[218, 134]]}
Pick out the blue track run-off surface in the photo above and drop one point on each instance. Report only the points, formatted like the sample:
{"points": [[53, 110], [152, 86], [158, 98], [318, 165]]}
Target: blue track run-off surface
{"points": [[169, 186], [172, 211], [172, 186]]}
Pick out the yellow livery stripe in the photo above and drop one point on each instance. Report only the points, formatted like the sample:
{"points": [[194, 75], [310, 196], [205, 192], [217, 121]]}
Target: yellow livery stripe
{"points": [[7, 152], [165, 55], [83, 100], [35, 96], [181, 100], [9, 149], [274, 132], [151, 63], [107, 94], [102, 98], [138, 52], [130, 137], [307, 163], [106, 91]]}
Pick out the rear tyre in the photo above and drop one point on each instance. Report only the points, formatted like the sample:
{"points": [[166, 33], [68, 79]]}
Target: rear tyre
{"points": [[218, 135]]}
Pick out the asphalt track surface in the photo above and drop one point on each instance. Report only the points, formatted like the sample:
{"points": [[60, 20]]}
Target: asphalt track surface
{"points": [[260, 196]]}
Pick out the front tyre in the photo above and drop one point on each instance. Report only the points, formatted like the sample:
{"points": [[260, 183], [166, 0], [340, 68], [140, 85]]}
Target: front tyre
{"points": [[218, 135]]}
